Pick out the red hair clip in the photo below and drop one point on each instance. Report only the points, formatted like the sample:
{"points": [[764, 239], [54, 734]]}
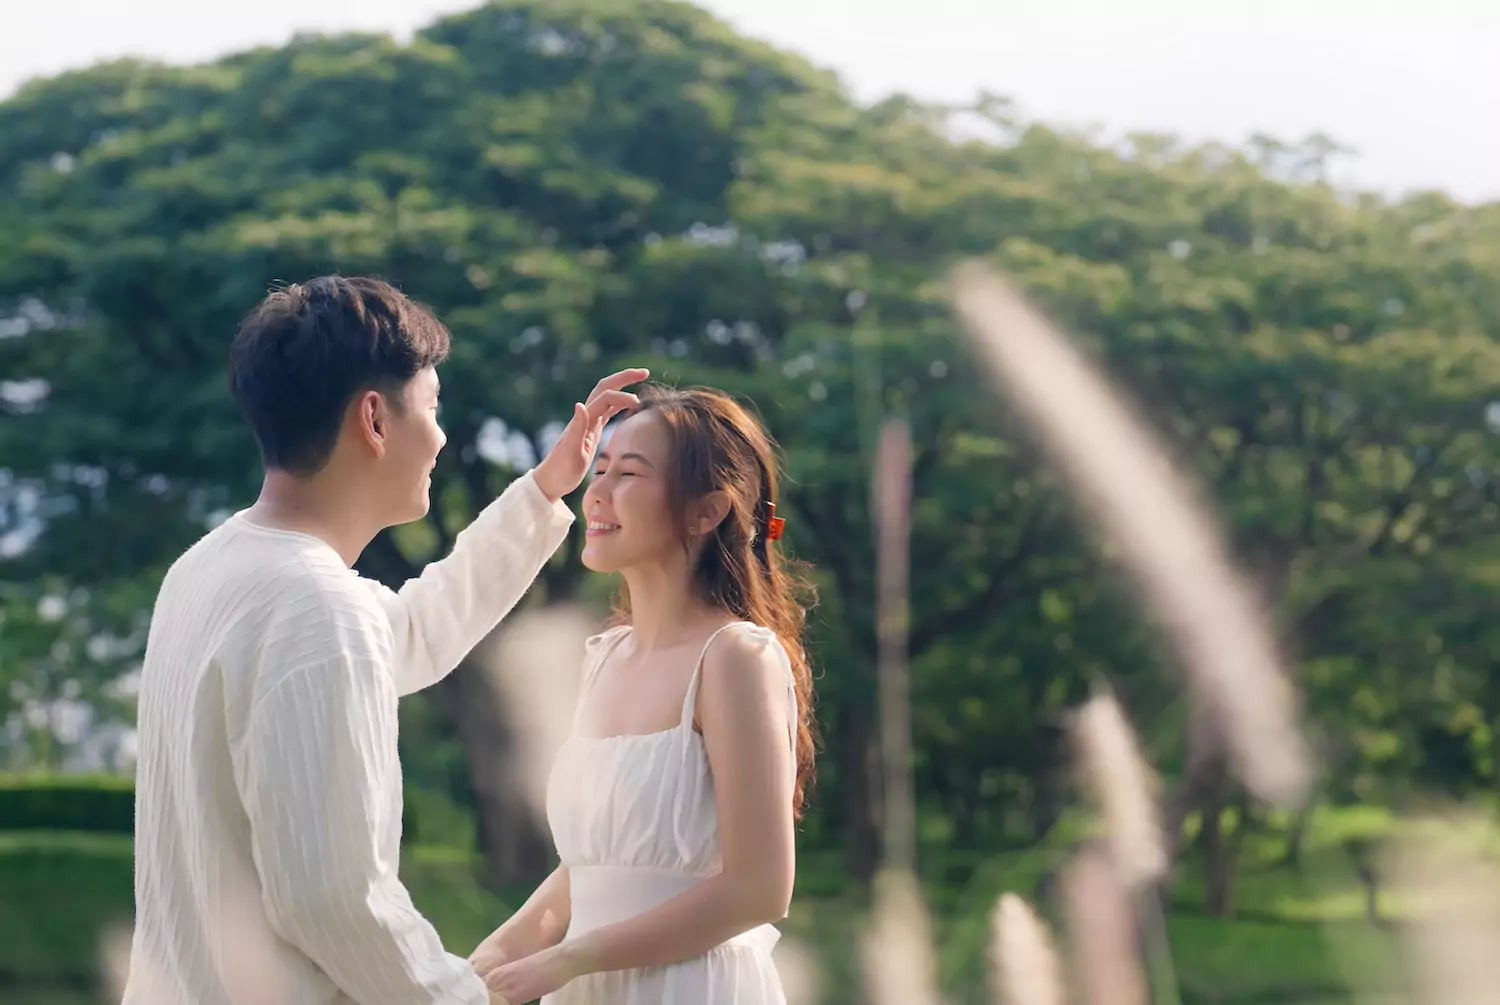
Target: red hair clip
{"points": [[774, 523]]}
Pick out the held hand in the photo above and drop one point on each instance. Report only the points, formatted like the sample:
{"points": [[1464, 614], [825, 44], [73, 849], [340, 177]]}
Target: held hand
{"points": [[532, 977], [488, 958], [562, 470]]}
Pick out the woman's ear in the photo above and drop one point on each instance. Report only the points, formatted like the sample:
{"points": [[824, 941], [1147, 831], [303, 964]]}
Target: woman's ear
{"points": [[707, 513]]}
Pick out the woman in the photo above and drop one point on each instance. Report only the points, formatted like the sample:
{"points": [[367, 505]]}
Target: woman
{"points": [[673, 803]]}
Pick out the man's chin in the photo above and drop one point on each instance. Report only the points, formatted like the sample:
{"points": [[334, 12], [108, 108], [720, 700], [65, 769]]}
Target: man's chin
{"points": [[418, 511]]}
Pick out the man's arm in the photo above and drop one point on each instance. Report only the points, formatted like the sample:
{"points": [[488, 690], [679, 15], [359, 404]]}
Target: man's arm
{"points": [[441, 615], [437, 618], [319, 780]]}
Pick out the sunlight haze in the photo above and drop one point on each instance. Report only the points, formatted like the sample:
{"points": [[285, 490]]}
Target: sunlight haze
{"points": [[1413, 88]]}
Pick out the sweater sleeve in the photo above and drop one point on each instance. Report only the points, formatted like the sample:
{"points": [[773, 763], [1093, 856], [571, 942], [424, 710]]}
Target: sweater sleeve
{"points": [[439, 616], [318, 775]]}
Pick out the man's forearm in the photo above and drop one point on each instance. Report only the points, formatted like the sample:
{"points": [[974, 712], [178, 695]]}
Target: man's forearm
{"points": [[319, 778], [437, 618], [376, 947]]}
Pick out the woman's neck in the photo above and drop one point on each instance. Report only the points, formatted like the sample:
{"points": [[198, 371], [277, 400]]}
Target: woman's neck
{"points": [[664, 609]]}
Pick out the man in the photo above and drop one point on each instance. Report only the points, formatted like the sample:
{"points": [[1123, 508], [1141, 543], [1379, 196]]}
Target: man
{"points": [[268, 808]]}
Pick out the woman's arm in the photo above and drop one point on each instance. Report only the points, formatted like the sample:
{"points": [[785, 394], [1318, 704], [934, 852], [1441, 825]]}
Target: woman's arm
{"points": [[540, 924], [744, 712]]}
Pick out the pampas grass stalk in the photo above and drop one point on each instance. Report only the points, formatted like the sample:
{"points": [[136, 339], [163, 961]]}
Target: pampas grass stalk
{"points": [[535, 668], [1125, 789], [892, 506], [1102, 932], [900, 961], [1145, 510], [1453, 934], [1024, 965], [800, 972]]}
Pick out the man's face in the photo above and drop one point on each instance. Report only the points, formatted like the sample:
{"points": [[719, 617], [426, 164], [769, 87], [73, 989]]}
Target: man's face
{"points": [[412, 440]]}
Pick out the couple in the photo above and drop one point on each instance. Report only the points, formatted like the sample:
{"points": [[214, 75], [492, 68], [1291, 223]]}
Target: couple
{"points": [[268, 807]]}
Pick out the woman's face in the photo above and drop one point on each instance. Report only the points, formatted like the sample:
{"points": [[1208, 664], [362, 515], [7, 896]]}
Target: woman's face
{"points": [[627, 504]]}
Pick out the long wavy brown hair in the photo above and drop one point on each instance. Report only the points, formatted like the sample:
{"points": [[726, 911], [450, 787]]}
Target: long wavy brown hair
{"points": [[717, 445]]}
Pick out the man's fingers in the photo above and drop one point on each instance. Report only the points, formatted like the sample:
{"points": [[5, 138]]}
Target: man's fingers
{"points": [[618, 380], [610, 402]]}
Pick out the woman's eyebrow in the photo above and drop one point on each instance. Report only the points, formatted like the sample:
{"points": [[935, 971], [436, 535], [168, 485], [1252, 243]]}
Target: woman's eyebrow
{"points": [[631, 456]]}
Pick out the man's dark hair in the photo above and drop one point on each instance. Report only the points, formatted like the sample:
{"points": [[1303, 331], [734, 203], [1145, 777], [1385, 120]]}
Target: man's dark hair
{"points": [[302, 355]]}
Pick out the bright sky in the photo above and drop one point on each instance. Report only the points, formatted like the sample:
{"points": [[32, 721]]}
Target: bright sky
{"points": [[1412, 85]]}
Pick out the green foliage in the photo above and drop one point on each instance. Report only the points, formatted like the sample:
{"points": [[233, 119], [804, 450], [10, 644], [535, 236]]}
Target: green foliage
{"points": [[58, 893], [106, 804], [98, 803], [575, 184]]}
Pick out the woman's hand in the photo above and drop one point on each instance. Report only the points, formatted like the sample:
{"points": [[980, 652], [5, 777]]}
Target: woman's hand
{"points": [[489, 956], [530, 978], [540, 924]]}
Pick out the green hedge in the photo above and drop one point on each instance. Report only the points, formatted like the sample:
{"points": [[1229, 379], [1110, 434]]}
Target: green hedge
{"points": [[98, 803]]}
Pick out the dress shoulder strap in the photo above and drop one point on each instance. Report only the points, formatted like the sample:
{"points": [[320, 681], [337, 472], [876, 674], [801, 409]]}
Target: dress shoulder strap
{"points": [[766, 637], [596, 650], [690, 700]]}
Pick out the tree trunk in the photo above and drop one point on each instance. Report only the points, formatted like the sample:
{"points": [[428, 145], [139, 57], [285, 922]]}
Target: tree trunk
{"points": [[1360, 852], [962, 805], [1221, 852], [515, 845], [1049, 780], [1202, 776], [858, 779], [1297, 835]]}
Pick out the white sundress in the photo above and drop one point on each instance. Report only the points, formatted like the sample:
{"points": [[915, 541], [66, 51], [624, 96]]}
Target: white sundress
{"points": [[633, 818]]}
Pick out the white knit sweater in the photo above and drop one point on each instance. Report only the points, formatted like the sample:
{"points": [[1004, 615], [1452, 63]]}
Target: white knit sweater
{"points": [[268, 791]]}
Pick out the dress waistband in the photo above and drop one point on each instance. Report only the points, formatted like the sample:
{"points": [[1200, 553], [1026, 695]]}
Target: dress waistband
{"points": [[603, 895]]}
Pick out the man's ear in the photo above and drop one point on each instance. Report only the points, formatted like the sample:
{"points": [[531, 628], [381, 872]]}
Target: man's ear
{"points": [[371, 416]]}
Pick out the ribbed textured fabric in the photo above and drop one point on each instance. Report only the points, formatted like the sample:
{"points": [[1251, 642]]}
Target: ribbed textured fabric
{"points": [[268, 790]]}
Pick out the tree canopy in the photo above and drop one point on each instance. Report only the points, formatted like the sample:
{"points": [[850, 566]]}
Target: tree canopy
{"points": [[580, 183]]}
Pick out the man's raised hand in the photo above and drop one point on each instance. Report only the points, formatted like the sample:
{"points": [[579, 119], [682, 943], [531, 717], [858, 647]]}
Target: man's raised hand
{"points": [[562, 470]]}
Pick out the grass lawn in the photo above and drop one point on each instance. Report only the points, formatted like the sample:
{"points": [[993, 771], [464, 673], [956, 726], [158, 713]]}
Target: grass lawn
{"points": [[59, 892]]}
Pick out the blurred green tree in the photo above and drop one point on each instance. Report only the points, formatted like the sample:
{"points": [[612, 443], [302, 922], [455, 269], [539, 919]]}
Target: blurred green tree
{"points": [[582, 183]]}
